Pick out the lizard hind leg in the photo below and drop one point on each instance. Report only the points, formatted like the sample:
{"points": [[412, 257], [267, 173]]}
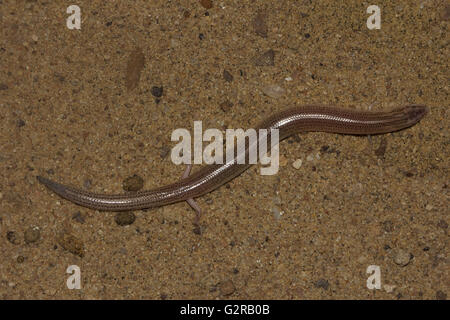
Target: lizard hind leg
{"points": [[191, 201]]}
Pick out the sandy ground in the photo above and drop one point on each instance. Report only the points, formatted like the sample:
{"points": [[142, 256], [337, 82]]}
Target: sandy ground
{"points": [[86, 107]]}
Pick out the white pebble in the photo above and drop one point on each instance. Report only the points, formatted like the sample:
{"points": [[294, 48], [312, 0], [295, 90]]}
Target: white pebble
{"points": [[297, 163], [273, 91]]}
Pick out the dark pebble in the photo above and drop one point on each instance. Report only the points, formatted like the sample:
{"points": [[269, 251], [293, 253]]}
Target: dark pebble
{"points": [[164, 152], [207, 4], [133, 183], [227, 76], [20, 123], [442, 224], [226, 105], [388, 226], [12, 237], [322, 283], [20, 259], [441, 295], [259, 25], [157, 91], [265, 59], [125, 218], [197, 230]]}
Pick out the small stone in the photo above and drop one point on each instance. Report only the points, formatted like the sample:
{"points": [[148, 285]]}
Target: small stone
{"points": [[207, 4], [71, 243], [164, 152], [265, 59], [297, 163], [32, 234], [282, 160], [157, 91], [20, 259], [442, 224], [441, 295], [401, 257], [226, 288], [87, 183], [20, 123], [34, 38], [124, 218], [445, 14], [227, 76], [273, 91], [277, 213], [388, 226], [133, 183], [135, 64], [226, 105], [197, 229], [259, 24], [322, 283], [12, 237], [389, 288], [310, 157], [429, 207]]}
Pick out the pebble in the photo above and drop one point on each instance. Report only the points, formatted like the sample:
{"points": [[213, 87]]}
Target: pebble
{"points": [[322, 283], [71, 243], [388, 226], [157, 91], [227, 76], [226, 105], [227, 288], [259, 25], [441, 295], [273, 91], [297, 163], [207, 4], [135, 64], [125, 218], [401, 257], [282, 160], [32, 234], [389, 288], [133, 183], [265, 59], [277, 213], [429, 207], [12, 237], [445, 14], [442, 224], [310, 157]]}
